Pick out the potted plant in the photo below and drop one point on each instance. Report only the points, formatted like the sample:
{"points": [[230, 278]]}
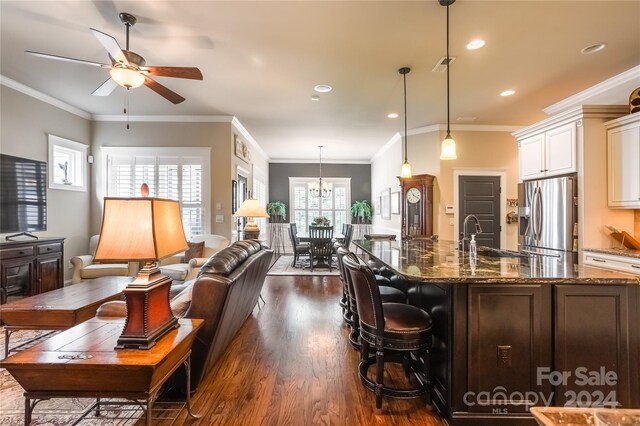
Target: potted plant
{"points": [[277, 210], [321, 221], [361, 211]]}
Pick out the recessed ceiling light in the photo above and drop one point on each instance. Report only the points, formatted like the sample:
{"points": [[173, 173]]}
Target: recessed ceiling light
{"points": [[508, 92], [323, 88], [393, 115], [315, 97], [475, 44], [593, 48]]}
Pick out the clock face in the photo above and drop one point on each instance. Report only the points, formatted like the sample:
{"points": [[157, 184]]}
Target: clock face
{"points": [[413, 195]]}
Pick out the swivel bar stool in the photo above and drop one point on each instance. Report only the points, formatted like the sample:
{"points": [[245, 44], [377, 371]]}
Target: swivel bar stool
{"points": [[397, 332]]}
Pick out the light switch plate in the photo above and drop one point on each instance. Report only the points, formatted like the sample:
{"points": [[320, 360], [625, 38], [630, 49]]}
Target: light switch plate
{"points": [[219, 218]]}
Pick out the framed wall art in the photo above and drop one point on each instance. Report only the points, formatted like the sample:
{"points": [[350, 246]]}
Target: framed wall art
{"points": [[241, 149], [385, 203], [395, 202]]}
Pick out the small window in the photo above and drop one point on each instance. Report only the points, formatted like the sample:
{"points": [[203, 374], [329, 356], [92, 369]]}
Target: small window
{"points": [[67, 164]]}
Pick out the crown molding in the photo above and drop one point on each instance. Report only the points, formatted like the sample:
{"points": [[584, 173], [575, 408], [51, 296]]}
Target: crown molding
{"points": [[395, 138], [606, 112], [12, 84], [464, 128], [166, 118], [598, 89], [324, 162]]}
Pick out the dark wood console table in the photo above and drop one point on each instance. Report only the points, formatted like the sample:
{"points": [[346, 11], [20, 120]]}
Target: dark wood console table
{"points": [[82, 363], [30, 267]]}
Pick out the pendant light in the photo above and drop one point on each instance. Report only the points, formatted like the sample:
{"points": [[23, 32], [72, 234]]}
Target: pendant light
{"points": [[406, 167], [322, 190], [448, 148]]}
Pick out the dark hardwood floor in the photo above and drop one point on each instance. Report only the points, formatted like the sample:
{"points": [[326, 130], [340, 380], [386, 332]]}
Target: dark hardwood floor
{"points": [[291, 364]]}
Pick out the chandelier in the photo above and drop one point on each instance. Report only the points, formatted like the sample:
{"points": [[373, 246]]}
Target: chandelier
{"points": [[320, 189]]}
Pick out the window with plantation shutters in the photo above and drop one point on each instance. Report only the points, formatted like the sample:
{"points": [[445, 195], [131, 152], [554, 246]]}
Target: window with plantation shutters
{"points": [[304, 207], [174, 173], [260, 194]]}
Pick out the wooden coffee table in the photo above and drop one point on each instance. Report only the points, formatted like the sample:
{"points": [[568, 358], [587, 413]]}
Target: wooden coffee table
{"points": [[61, 308], [82, 363]]}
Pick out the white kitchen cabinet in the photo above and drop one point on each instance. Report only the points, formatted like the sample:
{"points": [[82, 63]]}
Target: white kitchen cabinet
{"points": [[549, 153], [623, 168], [611, 261]]}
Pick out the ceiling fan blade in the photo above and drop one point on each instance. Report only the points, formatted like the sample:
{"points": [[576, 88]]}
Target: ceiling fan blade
{"points": [[64, 58], [177, 72], [112, 46], [105, 88], [162, 90]]}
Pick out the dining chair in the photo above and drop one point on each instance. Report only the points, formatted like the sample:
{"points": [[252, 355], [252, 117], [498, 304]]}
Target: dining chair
{"points": [[321, 247], [297, 247]]}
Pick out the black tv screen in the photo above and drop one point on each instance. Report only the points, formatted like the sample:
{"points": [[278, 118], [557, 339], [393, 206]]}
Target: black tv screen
{"points": [[23, 195]]}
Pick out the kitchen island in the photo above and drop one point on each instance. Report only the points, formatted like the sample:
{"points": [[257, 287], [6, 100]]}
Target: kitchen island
{"points": [[513, 331]]}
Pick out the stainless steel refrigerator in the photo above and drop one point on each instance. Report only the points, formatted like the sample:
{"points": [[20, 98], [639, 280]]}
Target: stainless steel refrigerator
{"points": [[547, 215]]}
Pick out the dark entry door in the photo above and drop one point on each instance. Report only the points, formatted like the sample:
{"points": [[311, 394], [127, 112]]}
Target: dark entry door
{"points": [[480, 196]]}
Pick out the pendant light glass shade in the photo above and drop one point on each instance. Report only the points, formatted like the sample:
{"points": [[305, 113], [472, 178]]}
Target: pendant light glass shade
{"points": [[406, 170], [448, 148]]}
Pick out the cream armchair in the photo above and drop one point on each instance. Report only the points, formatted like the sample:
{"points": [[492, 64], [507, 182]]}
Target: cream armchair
{"points": [[84, 267], [176, 268]]}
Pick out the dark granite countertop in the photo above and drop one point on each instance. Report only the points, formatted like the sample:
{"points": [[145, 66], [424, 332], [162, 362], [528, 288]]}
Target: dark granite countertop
{"points": [[617, 252], [440, 261]]}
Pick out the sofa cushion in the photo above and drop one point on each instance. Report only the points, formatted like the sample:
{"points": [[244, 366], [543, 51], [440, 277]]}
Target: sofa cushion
{"points": [[177, 271], [195, 250], [180, 304], [225, 261]]}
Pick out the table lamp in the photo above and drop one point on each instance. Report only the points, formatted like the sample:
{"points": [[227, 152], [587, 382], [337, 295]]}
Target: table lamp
{"points": [[251, 208], [143, 229]]}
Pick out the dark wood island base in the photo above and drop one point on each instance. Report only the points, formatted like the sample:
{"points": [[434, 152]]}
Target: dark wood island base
{"points": [[512, 333]]}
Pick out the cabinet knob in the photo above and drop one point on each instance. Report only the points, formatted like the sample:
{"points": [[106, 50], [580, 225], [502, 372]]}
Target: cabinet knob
{"points": [[546, 170], [541, 170]]}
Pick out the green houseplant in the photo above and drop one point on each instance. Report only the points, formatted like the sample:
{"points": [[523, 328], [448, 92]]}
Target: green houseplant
{"points": [[361, 211], [277, 210]]}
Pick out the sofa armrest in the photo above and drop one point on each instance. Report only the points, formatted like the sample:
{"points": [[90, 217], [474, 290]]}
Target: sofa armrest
{"points": [[82, 261], [172, 260], [114, 308], [194, 267]]}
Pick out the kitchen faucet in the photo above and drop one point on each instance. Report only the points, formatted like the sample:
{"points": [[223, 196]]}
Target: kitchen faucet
{"points": [[463, 234]]}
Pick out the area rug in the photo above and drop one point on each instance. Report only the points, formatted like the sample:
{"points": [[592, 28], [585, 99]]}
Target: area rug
{"points": [[66, 411], [282, 266]]}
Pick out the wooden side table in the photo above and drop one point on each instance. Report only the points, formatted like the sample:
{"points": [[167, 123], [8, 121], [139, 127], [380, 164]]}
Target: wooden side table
{"points": [[62, 308], [82, 363]]}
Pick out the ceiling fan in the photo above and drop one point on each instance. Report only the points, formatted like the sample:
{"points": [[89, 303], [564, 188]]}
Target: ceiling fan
{"points": [[128, 69]]}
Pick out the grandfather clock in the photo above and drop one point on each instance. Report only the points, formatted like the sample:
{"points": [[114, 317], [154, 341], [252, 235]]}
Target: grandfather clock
{"points": [[417, 205]]}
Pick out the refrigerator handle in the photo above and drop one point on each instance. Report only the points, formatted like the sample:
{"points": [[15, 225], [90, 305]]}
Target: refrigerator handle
{"points": [[539, 214], [534, 213]]}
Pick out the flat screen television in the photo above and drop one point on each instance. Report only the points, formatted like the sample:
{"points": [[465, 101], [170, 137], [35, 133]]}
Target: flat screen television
{"points": [[23, 195]]}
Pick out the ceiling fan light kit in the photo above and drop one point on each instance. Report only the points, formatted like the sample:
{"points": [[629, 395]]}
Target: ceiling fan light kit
{"points": [[448, 147], [127, 68]]}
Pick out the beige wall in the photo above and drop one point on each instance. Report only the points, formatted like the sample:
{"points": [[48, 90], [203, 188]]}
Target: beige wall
{"points": [[497, 151], [25, 123], [216, 136], [637, 225]]}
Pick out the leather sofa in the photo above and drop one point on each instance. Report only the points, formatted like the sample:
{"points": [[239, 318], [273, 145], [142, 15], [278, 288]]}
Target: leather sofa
{"points": [[224, 294]]}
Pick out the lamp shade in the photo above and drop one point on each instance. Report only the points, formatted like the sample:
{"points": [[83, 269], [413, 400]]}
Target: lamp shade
{"points": [[251, 208], [143, 229], [126, 77]]}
